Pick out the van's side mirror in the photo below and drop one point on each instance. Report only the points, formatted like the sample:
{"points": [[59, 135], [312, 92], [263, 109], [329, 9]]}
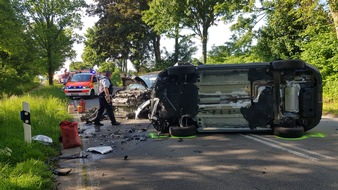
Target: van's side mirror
{"points": [[94, 79]]}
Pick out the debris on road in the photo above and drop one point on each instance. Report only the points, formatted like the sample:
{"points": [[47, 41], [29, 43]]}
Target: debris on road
{"points": [[74, 156], [88, 117], [62, 172], [43, 139], [100, 149]]}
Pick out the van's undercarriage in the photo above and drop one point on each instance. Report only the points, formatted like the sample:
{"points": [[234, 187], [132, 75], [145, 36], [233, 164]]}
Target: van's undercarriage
{"points": [[283, 96]]}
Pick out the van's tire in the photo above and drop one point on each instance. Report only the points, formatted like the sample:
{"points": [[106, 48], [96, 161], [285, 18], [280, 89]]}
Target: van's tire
{"points": [[161, 126], [294, 132], [281, 65], [183, 131], [181, 70]]}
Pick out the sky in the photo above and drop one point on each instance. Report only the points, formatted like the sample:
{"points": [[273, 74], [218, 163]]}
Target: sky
{"points": [[217, 36]]}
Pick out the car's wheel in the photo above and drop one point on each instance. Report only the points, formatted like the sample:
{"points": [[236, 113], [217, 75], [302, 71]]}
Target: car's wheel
{"points": [[181, 70], [288, 64], [161, 126], [92, 93], [182, 131], [285, 132]]}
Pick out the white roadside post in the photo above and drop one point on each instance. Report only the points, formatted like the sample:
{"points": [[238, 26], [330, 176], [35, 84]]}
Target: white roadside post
{"points": [[26, 118]]}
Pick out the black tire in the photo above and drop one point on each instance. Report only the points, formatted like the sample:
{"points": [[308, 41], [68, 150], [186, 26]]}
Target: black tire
{"points": [[281, 65], [181, 70], [161, 126], [182, 131], [285, 132], [92, 93]]}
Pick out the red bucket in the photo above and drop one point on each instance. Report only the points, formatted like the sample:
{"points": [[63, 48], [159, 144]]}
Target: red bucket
{"points": [[70, 135]]}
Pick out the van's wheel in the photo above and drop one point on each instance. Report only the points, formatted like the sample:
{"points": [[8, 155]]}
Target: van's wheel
{"points": [[181, 70], [285, 132], [183, 131], [280, 65], [161, 126], [92, 93]]}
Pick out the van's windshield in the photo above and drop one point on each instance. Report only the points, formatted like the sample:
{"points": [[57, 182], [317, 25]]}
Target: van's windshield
{"points": [[81, 78]]}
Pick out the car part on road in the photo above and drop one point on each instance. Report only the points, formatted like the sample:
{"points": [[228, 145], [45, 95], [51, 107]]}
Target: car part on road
{"points": [[286, 132], [182, 131], [185, 128], [74, 156], [283, 96], [62, 172], [100, 149]]}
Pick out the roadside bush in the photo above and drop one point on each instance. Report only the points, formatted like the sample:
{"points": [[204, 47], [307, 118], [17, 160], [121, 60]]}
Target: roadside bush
{"points": [[13, 84]]}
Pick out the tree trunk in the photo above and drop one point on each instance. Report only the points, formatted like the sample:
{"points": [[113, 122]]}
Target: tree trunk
{"points": [[157, 49], [125, 66], [334, 14], [204, 39], [50, 66], [176, 45]]}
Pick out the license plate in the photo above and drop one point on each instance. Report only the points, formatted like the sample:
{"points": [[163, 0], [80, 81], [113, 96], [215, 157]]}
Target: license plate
{"points": [[74, 94]]}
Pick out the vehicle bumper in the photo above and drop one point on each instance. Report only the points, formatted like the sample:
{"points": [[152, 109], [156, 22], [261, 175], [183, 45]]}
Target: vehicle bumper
{"points": [[77, 92]]}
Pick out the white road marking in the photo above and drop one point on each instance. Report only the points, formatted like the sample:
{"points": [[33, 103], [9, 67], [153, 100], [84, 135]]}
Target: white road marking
{"points": [[295, 148], [281, 148]]}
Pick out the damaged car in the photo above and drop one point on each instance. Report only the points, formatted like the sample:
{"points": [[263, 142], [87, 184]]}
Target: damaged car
{"points": [[283, 97], [133, 100]]}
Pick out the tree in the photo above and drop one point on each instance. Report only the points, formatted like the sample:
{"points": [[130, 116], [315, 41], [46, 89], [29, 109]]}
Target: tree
{"points": [[78, 65], [121, 34], [165, 18], [196, 15], [17, 50], [333, 6], [51, 24], [90, 55], [294, 30]]}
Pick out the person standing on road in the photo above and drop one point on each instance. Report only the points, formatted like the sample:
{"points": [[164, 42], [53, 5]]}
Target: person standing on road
{"points": [[105, 92]]}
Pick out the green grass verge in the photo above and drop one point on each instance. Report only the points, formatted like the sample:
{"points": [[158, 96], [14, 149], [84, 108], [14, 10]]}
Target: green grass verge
{"points": [[330, 97], [23, 165]]}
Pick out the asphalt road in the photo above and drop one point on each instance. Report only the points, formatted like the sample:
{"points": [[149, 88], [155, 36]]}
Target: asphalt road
{"points": [[141, 159]]}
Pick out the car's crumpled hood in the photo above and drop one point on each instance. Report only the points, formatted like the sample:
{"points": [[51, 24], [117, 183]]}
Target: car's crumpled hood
{"points": [[136, 80]]}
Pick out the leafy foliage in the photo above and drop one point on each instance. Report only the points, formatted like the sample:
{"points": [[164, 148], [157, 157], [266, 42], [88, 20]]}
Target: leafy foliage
{"points": [[293, 30], [196, 15], [50, 24], [120, 33], [90, 55]]}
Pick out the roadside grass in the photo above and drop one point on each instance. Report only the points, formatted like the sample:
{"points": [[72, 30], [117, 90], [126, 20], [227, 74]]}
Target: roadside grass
{"points": [[23, 165], [330, 97], [330, 105]]}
